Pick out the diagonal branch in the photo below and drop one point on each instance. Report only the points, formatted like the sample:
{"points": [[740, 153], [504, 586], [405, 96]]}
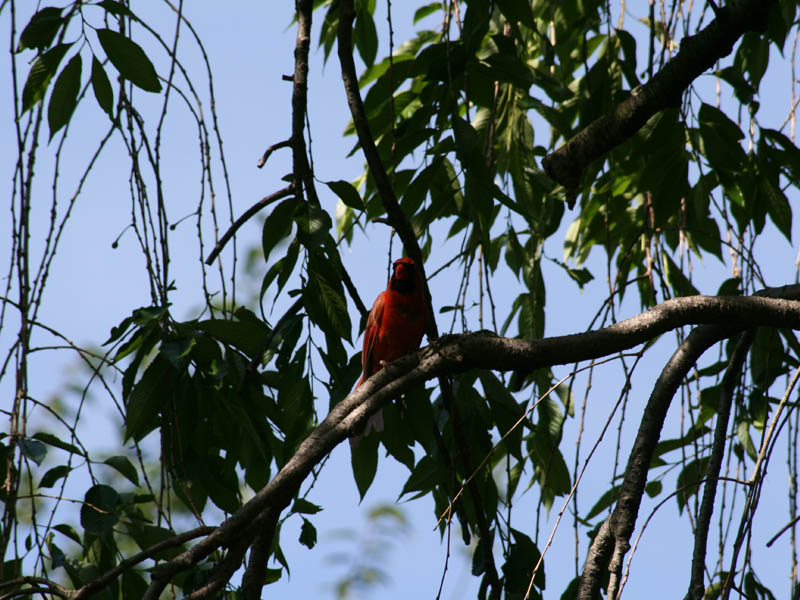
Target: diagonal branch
{"points": [[613, 541], [459, 353], [697, 54], [246, 216]]}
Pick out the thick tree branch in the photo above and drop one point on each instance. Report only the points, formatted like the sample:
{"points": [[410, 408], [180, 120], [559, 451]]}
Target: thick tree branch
{"points": [[459, 353], [732, 375], [397, 218], [623, 519], [402, 225], [260, 550], [697, 54]]}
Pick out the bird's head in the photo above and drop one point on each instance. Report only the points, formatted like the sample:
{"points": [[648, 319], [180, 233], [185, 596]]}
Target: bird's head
{"points": [[405, 275]]}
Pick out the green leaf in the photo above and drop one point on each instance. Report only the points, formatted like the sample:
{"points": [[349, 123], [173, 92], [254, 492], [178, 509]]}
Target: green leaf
{"points": [[366, 37], [50, 478], [117, 8], [720, 138], [301, 505], [504, 410], [149, 394], [64, 98], [277, 226], [427, 474], [68, 531], [59, 559], [778, 207], [426, 10], [607, 499], [133, 584], [102, 87], [743, 433], [99, 509], [57, 442], [689, 480], [33, 450], [653, 488], [516, 11], [40, 75], [272, 575], [323, 297], [364, 461], [313, 225], [41, 30], [523, 555], [308, 534], [676, 279], [347, 193], [124, 467], [129, 59], [476, 24], [146, 536], [580, 276], [249, 337]]}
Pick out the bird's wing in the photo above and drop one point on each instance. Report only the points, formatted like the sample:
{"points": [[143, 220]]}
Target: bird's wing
{"points": [[371, 335]]}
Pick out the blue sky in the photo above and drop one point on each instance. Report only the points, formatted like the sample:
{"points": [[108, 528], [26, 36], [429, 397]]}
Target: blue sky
{"points": [[93, 286]]}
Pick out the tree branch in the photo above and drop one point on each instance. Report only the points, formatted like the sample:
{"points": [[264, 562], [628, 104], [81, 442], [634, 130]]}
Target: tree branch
{"points": [[459, 353], [246, 216], [623, 519], [732, 375], [697, 54], [402, 225], [396, 217]]}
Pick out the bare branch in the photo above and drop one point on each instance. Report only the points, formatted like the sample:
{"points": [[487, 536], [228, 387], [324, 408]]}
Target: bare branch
{"points": [[268, 152], [246, 216], [732, 375]]}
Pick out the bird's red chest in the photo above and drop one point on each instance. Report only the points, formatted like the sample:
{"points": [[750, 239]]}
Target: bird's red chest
{"points": [[403, 324]]}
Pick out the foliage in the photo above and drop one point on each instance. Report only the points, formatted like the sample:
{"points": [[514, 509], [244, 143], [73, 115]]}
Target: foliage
{"points": [[231, 405]]}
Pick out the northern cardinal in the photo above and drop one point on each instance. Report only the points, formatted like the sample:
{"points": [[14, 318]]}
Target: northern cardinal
{"points": [[394, 327]]}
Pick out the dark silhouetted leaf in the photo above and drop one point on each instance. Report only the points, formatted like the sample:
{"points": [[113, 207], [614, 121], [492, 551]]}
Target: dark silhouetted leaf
{"points": [[50, 478], [308, 534], [57, 442], [124, 467], [41, 30], [40, 75], [99, 510], [129, 59], [102, 87], [65, 95], [347, 194]]}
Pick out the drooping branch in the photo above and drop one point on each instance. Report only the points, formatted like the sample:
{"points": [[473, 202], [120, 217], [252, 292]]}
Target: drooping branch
{"points": [[732, 375], [623, 518], [405, 231], [459, 353], [612, 543], [396, 216], [697, 54]]}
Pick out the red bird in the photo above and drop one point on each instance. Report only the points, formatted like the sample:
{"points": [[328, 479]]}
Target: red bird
{"points": [[394, 327]]}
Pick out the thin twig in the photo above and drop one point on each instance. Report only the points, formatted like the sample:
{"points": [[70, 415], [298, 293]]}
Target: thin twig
{"points": [[246, 216]]}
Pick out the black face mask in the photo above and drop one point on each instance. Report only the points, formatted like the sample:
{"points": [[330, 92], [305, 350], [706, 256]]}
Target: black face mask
{"points": [[403, 286]]}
